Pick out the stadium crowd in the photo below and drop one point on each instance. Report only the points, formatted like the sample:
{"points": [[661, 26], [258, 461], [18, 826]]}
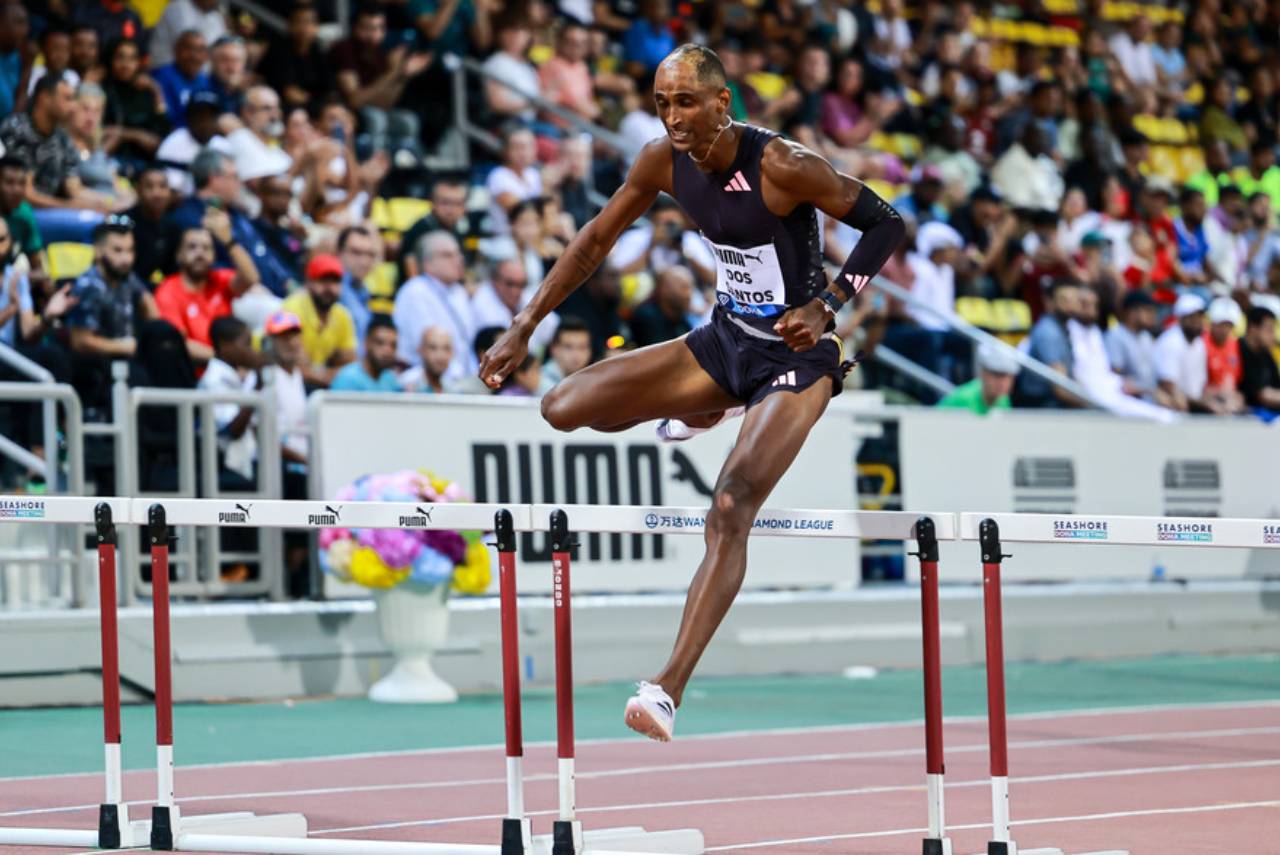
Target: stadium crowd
{"points": [[227, 207]]}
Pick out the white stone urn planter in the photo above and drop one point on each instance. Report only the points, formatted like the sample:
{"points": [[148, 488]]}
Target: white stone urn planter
{"points": [[414, 621]]}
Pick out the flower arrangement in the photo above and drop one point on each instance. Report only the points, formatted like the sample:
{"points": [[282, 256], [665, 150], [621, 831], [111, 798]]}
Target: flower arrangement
{"points": [[384, 558]]}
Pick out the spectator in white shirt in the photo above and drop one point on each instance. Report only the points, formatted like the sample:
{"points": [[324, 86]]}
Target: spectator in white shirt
{"points": [[1133, 51], [496, 302], [938, 248], [437, 297], [517, 75], [665, 241], [203, 16], [1182, 363], [285, 350], [234, 369], [1026, 176], [1091, 367], [515, 180]]}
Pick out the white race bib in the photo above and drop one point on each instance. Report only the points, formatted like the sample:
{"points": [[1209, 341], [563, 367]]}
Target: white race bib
{"points": [[749, 280]]}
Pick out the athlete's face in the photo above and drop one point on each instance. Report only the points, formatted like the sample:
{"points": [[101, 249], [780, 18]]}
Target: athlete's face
{"points": [[692, 111]]}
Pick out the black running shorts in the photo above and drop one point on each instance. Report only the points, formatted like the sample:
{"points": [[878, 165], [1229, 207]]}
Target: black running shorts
{"points": [[749, 367]]}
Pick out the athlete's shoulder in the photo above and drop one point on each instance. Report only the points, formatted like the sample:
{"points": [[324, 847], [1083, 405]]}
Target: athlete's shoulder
{"points": [[800, 170], [652, 167]]}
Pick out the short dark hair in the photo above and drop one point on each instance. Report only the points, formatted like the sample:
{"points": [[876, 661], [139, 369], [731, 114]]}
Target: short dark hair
{"points": [[705, 63], [1187, 193], [346, 233], [1257, 316], [379, 322], [368, 10], [12, 161], [47, 85], [485, 338], [153, 166], [450, 180], [1260, 145], [225, 330], [568, 324]]}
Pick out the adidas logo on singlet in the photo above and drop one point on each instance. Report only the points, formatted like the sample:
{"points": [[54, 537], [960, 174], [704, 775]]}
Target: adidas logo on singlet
{"points": [[737, 183]]}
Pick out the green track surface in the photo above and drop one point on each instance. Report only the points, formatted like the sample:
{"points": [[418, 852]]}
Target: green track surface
{"points": [[53, 741]]}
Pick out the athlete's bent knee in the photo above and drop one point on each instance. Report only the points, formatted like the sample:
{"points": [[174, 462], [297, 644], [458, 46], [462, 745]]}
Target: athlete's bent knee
{"points": [[559, 410], [733, 508]]}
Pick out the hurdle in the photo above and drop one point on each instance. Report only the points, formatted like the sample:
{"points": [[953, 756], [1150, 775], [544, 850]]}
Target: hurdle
{"points": [[115, 830]]}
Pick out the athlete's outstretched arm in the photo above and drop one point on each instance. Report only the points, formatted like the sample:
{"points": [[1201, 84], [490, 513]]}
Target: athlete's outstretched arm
{"points": [[650, 175], [794, 175]]}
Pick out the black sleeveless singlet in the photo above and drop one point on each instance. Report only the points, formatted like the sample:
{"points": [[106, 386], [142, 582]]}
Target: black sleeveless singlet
{"points": [[765, 264]]}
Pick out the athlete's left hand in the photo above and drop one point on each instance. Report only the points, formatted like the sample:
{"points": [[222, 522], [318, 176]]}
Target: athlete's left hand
{"points": [[802, 327]]}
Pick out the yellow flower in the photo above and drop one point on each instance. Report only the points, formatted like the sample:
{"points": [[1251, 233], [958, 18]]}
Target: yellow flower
{"points": [[369, 570], [473, 576]]}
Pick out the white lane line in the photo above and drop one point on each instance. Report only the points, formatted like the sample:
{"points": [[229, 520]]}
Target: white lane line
{"points": [[817, 794], [702, 737], [974, 748], [1094, 817]]}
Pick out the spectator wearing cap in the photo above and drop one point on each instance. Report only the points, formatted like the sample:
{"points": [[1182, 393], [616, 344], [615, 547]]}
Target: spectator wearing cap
{"points": [[1026, 175], [437, 297], [1131, 348], [111, 305], [990, 389], [65, 210], [287, 357], [1050, 343], [1222, 358], [328, 333], [218, 185], [1181, 360], [198, 294], [184, 75], [1260, 378], [923, 202], [178, 150], [375, 371], [183, 16]]}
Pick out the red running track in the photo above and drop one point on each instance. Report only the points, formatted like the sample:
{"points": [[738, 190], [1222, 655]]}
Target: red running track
{"points": [[1178, 781]]}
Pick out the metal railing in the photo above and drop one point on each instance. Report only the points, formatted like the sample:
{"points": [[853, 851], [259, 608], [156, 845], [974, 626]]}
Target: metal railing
{"points": [[56, 571], [981, 337], [198, 556], [461, 66]]}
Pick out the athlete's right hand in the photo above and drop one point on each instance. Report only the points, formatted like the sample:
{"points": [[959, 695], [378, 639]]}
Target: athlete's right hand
{"points": [[505, 356]]}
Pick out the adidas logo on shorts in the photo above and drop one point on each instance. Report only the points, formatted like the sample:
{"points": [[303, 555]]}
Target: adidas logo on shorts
{"points": [[788, 379]]}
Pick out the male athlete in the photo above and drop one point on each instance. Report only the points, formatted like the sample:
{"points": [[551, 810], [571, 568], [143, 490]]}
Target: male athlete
{"points": [[755, 197]]}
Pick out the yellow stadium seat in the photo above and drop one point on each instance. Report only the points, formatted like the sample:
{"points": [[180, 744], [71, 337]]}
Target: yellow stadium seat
{"points": [[405, 211], [767, 84], [1149, 126], [1163, 161], [1190, 161], [977, 311], [1010, 316], [380, 213], [539, 54], [882, 188], [68, 260], [382, 281]]}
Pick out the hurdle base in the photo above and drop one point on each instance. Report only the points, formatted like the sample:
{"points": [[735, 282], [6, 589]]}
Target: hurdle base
{"points": [[517, 836], [630, 839], [936, 846], [167, 826], [1008, 847]]}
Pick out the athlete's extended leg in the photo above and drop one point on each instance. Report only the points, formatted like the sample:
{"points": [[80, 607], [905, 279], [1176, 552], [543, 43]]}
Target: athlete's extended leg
{"points": [[771, 436], [663, 380]]}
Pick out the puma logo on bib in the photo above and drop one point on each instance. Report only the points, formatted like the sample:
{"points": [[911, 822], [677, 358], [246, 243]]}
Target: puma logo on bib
{"points": [[749, 279]]}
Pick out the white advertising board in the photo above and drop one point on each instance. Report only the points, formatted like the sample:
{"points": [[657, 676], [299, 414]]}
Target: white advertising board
{"points": [[1085, 464], [501, 450]]}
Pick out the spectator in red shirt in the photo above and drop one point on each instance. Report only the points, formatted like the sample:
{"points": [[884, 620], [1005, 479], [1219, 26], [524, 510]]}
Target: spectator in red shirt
{"points": [[197, 294], [1153, 205], [1222, 350]]}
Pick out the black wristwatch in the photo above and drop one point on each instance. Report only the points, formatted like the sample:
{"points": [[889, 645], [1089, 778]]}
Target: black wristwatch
{"points": [[831, 302]]}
